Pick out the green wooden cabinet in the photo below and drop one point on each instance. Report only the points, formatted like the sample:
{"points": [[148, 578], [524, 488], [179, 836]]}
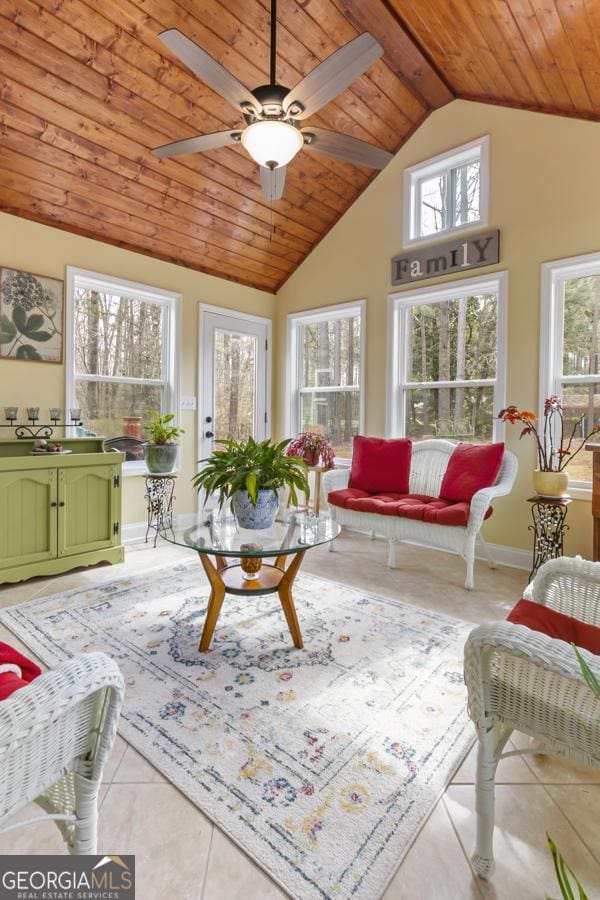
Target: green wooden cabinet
{"points": [[59, 512]]}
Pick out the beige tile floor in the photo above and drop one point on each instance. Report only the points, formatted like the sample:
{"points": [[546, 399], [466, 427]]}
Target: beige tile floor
{"points": [[181, 855]]}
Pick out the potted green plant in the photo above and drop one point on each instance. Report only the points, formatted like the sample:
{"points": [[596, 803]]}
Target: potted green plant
{"points": [[249, 473], [160, 453]]}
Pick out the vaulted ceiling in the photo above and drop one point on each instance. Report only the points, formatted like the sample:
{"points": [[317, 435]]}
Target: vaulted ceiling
{"points": [[87, 89]]}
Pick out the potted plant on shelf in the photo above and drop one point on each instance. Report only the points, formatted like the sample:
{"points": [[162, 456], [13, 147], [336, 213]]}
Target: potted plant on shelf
{"points": [[313, 448], [553, 446], [249, 473], [160, 453]]}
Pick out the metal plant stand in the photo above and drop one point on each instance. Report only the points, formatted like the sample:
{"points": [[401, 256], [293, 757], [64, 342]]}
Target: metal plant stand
{"points": [[159, 495], [548, 528]]}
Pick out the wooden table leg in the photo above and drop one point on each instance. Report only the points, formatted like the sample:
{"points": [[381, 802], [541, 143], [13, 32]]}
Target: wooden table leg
{"points": [[215, 601], [286, 599]]}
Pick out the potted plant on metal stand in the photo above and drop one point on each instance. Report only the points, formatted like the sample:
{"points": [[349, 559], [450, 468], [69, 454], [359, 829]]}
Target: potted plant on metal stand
{"points": [[160, 453], [555, 447], [249, 474]]}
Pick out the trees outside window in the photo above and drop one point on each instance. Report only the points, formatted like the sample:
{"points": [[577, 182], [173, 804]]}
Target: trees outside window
{"points": [[447, 193], [447, 361], [122, 363], [325, 358], [570, 350]]}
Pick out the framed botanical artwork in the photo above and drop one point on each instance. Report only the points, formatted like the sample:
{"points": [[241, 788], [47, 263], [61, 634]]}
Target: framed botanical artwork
{"points": [[31, 316]]}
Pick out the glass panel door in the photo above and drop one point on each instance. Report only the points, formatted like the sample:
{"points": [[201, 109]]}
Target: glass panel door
{"points": [[233, 388]]}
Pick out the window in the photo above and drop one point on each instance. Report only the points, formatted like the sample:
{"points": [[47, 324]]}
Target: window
{"points": [[570, 351], [447, 360], [122, 364], [326, 358], [448, 193]]}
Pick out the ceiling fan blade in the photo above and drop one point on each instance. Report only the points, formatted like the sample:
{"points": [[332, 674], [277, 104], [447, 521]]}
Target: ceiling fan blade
{"points": [[208, 69], [346, 148], [332, 76], [197, 144], [272, 182]]}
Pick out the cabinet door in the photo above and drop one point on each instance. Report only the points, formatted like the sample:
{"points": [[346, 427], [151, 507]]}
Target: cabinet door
{"points": [[88, 509], [27, 516]]}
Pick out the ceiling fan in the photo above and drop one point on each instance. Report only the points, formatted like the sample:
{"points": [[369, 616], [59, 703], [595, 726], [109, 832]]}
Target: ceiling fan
{"points": [[272, 113]]}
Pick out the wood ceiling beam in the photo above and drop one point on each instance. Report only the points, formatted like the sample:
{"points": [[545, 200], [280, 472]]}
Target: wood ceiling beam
{"points": [[402, 51]]}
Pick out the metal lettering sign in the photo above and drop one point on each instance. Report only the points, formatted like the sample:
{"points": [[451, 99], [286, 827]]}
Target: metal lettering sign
{"points": [[447, 257]]}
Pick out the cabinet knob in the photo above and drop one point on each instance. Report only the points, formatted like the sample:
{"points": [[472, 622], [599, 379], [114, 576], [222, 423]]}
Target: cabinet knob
{"points": [[54, 503], [62, 503], [209, 434]]}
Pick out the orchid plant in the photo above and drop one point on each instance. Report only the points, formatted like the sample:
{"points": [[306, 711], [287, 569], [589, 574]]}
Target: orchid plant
{"points": [[553, 442]]}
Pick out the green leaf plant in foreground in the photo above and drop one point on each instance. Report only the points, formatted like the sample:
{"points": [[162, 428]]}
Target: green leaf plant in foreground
{"points": [[251, 466], [564, 873]]}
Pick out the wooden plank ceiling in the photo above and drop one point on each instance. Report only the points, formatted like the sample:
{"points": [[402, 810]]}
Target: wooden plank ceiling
{"points": [[87, 89]]}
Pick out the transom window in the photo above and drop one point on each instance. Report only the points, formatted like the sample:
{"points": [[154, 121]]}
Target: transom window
{"points": [[447, 360], [122, 365], [570, 351], [325, 353], [448, 193]]}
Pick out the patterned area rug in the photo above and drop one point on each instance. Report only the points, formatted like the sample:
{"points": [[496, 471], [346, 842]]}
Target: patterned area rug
{"points": [[320, 763]]}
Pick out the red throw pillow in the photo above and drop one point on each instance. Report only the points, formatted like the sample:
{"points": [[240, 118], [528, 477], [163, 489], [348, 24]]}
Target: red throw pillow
{"points": [[380, 465], [471, 468], [16, 671], [555, 625]]}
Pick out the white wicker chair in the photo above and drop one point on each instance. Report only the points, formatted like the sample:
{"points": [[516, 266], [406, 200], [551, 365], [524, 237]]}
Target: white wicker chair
{"points": [[428, 465], [521, 679], [55, 736]]}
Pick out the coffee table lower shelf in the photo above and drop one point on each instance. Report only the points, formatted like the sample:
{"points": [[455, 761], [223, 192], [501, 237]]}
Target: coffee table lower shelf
{"points": [[228, 579]]}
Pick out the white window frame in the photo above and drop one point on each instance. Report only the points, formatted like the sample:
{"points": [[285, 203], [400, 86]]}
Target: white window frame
{"points": [[170, 300], [397, 382], [438, 165], [554, 276], [293, 390]]}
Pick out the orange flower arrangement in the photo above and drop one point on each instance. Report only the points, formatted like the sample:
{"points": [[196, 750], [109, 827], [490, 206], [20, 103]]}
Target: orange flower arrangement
{"points": [[553, 447]]}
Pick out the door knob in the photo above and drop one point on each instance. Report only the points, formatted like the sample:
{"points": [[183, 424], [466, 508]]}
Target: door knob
{"points": [[209, 434]]}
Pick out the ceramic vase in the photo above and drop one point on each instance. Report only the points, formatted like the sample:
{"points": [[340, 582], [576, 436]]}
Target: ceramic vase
{"points": [[550, 484]]}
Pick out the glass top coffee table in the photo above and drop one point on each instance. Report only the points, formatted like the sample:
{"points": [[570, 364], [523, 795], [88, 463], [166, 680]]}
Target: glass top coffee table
{"points": [[248, 562]]}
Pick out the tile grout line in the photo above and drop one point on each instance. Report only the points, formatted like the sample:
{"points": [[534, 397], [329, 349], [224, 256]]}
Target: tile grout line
{"points": [[474, 877], [205, 876], [572, 825]]}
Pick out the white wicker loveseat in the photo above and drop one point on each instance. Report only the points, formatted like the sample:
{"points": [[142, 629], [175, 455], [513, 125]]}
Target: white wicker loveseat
{"points": [[429, 460], [55, 736], [522, 679]]}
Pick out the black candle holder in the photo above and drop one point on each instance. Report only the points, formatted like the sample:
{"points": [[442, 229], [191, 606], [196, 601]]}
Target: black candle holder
{"points": [[39, 431]]}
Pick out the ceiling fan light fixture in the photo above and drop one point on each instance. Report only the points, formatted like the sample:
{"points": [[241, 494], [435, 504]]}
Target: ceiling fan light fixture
{"points": [[272, 144]]}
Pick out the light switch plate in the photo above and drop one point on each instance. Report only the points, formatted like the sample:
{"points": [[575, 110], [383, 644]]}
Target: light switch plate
{"points": [[188, 403]]}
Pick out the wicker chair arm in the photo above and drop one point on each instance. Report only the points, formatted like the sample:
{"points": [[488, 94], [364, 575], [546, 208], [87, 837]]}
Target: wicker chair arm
{"points": [[570, 586], [553, 657], [55, 693], [335, 480], [483, 499]]}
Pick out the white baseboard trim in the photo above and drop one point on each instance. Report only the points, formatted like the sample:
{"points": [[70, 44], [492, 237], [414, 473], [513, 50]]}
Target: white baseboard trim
{"points": [[513, 557], [133, 534]]}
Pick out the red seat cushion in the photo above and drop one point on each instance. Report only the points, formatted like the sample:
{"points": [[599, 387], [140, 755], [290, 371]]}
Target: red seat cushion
{"points": [[16, 671], [555, 625], [471, 467], [408, 506], [380, 465]]}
